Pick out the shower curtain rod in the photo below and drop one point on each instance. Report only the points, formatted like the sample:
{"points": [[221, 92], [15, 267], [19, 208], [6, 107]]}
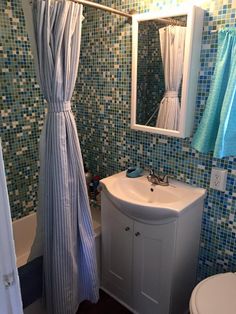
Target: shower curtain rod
{"points": [[103, 7], [170, 21], [128, 15], [98, 6]]}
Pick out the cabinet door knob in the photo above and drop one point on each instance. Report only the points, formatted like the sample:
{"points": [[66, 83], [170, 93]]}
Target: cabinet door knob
{"points": [[127, 228], [137, 234]]}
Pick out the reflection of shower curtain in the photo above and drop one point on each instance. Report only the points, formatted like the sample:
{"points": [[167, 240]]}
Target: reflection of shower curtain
{"points": [[172, 40], [10, 296], [70, 270]]}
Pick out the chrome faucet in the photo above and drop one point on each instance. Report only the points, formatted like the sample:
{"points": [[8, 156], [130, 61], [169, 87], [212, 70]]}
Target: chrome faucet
{"points": [[158, 180]]}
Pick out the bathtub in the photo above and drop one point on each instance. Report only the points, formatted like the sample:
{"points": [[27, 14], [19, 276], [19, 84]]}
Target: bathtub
{"points": [[24, 233]]}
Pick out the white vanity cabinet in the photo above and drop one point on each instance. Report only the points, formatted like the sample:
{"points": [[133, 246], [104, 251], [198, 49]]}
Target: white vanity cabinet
{"points": [[153, 255], [150, 268], [137, 260], [117, 257]]}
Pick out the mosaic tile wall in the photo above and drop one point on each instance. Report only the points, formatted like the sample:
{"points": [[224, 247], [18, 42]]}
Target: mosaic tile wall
{"points": [[102, 106], [150, 74], [21, 109], [108, 143]]}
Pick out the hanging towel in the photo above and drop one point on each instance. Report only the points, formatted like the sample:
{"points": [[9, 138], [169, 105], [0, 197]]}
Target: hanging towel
{"points": [[217, 129], [10, 296]]}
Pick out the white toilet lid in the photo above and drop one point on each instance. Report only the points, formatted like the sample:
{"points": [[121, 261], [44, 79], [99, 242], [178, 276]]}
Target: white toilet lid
{"points": [[215, 295]]}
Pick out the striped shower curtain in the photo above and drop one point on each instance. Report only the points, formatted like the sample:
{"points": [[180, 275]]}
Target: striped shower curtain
{"points": [[70, 269], [172, 41]]}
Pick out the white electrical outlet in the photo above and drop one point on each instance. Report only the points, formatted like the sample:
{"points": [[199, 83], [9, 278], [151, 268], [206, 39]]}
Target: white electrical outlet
{"points": [[218, 179]]}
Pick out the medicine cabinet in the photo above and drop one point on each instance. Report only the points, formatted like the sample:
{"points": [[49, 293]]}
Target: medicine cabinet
{"points": [[165, 53]]}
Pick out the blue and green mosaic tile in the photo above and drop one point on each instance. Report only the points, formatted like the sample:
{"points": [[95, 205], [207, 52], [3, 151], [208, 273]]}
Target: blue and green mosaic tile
{"points": [[101, 103]]}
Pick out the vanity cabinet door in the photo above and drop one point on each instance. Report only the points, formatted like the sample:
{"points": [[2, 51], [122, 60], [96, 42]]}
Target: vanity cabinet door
{"points": [[117, 242], [153, 266]]}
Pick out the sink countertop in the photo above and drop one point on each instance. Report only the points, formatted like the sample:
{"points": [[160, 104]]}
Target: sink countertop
{"points": [[139, 198]]}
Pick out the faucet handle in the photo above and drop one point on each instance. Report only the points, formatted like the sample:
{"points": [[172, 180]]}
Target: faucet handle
{"points": [[151, 172], [166, 178]]}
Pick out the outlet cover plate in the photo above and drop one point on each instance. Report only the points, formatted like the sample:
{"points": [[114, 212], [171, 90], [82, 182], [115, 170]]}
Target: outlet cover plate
{"points": [[218, 179]]}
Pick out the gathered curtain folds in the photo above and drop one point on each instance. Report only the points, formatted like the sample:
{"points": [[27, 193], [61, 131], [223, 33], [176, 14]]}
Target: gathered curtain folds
{"points": [[70, 269], [172, 41], [217, 130]]}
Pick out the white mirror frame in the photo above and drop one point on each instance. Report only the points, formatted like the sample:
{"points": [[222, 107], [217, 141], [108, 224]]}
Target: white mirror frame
{"points": [[190, 68]]}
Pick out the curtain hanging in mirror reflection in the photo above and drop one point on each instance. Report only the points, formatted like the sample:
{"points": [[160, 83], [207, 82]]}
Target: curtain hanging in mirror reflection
{"points": [[217, 129], [70, 269], [172, 39]]}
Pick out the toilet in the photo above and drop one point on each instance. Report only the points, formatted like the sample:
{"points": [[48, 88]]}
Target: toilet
{"points": [[215, 295]]}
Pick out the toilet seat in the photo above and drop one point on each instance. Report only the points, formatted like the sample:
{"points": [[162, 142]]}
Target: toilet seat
{"points": [[215, 295]]}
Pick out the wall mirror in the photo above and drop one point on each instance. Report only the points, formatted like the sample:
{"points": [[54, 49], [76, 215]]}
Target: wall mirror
{"points": [[165, 66]]}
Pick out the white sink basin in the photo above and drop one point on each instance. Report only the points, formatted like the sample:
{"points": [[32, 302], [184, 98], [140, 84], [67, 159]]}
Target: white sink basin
{"points": [[139, 199]]}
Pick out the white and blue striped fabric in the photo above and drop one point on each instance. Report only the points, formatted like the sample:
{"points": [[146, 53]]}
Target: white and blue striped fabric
{"points": [[10, 296], [70, 269]]}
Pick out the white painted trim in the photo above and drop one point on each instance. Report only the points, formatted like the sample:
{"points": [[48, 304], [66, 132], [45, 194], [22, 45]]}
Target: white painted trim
{"points": [[190, 70]]}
